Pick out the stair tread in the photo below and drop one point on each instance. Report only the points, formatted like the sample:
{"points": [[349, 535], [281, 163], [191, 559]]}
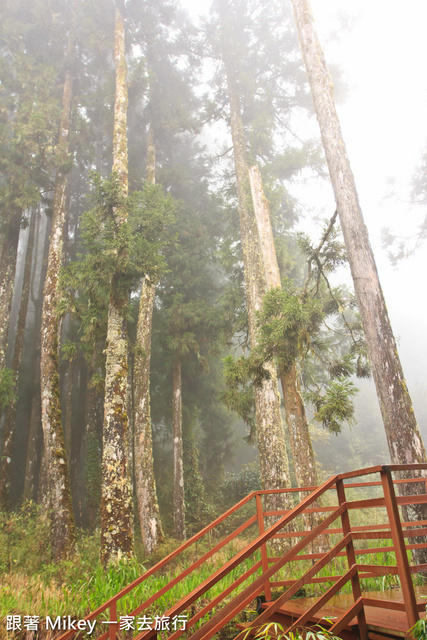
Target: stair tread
{"points": [[378, 619]]}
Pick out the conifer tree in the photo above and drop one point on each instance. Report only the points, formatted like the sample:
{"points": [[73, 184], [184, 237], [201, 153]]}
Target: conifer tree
{"points": [[403, 435], [145, 483], [116, 502], [55, 459], [270, 435]]}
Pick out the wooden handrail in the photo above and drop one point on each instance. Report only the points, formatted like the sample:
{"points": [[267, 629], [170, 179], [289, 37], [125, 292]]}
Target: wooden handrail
{"points": [[270, 566]]}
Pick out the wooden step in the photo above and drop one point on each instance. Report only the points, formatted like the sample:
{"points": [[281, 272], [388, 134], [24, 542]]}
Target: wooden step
{"points": [[383, 622]]}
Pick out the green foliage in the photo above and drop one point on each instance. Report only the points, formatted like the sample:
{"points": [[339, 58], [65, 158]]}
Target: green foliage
{"points": [[238, 485], [275, 630], [287, 323], [131, 249], [7, 388], [335, 406], [24, 537], [239, 393], [419, 630], [125, 252]]}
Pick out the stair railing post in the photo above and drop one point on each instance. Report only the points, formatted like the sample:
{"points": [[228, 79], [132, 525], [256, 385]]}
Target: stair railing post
{"points": [[404, 571], [264, 555], [351, 560], [112, 635]]}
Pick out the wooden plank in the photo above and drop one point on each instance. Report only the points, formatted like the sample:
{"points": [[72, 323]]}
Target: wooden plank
{"points": [[399, 548]]}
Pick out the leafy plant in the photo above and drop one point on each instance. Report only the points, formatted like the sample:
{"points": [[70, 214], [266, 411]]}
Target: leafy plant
{"points": [[274, 630], [419, 630]]}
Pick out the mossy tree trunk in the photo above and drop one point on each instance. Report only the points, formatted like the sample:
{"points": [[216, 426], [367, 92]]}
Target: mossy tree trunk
{"points": [[270, 435], [92, 444], [116, 501], [403, 435], [58, 488], [9, 426], [404, 439], [178, 465], [296, 418], [145, 483]]}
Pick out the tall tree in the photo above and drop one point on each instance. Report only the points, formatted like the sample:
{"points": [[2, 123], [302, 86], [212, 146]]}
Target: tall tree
{"points": [[58, 489], [270, 434], [299, 436], [403, 435], [116, 501], [10, 419], [145, 483]]}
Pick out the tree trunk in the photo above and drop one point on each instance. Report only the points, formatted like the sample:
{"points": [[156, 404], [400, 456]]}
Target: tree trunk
{"points": [[116, 502], [299, 436], [178, 466], [270, 435], [32, 481], [9, 426], [59, 495], [149, 517], [9, 251], [92, 446], [403, 436], [34, 448]]}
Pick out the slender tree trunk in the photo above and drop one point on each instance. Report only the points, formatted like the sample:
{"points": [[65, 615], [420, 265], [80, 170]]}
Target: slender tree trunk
{"points": [[270, 435], [178, 466], [34, 447], [302, 450], [32, 481], [92, 445], [59, 495], [69, 411], [8, 255], [116, 502], [6, 459], [149, 516], [404, 439]]}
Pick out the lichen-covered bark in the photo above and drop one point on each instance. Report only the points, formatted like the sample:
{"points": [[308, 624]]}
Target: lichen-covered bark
{"points": [[145, 483], [403, 435], [92, 445], [178, 465], [9, 425], [270, 436], [9, 249], [58, 489], [151, 528], [299, 436], [116, 501]]}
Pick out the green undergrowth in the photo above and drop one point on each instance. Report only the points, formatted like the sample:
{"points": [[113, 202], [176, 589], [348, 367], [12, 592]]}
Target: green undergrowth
{"points": [[32, 584]]}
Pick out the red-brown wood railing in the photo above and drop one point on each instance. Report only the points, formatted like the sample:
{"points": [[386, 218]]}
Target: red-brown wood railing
{"points": [[213, 614]]}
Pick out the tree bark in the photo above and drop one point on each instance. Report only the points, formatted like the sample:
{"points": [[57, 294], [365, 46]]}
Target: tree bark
{"points": [[299, 436], [178, 466], [403, 436], [116, 501], [92, 445], [270, 435], [149, 516], [32, 483], [59, 495], [8, 255], [9, 426]]}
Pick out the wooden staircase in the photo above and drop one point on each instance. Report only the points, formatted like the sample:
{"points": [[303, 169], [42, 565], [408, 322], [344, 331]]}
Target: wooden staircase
{"points": [[346, 559]]}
